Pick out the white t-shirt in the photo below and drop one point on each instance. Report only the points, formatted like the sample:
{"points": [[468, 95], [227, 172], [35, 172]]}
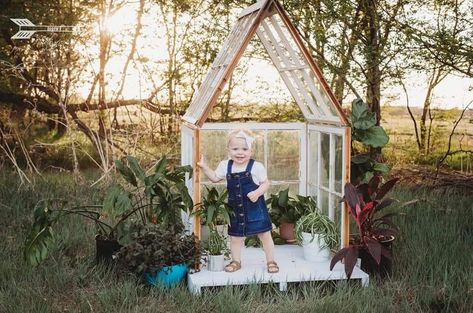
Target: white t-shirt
{"points": [[258, 171]]}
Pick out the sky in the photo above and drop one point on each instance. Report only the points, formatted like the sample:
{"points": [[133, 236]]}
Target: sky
{"points": [[262, 81], [453, 92]]}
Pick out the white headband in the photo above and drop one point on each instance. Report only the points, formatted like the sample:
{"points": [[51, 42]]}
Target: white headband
{"points": [[249, 140]]}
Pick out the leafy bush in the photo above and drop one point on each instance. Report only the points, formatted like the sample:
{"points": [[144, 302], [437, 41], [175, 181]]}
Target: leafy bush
{"points": [[154, 247], [158, 197]]}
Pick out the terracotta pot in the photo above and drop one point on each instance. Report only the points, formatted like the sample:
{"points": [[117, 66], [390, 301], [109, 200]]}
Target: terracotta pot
{"points": [[369, 265], [286, 231]]}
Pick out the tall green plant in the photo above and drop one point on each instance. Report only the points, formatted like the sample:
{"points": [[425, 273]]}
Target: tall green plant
{"points": [[158, 197], [163, 192], [366, 137], [214, 208]]}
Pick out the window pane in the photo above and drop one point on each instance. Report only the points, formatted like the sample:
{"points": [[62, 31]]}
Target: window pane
{"points": [[313, 192], [338, 162], [325, 158], [338, 211], [213, 145], [258, 153], [323, 203], [293, 188], [313, 158], [284, 155]]}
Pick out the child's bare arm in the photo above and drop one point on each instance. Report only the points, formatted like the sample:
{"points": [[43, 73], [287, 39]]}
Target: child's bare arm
{"points": [[208, 172], [261, 190]]}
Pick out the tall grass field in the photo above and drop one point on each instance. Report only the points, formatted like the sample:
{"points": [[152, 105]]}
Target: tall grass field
{"points": [[433, 264]]}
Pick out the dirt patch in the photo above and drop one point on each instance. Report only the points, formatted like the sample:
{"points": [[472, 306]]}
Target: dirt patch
{"points": [[431, 178]]}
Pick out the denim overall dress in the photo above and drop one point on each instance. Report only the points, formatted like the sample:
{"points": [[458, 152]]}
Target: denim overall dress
{"points": [[248, 218]]}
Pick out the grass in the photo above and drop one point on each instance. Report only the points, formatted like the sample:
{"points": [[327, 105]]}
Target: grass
{"points": [[433, 265], [402, 147]]}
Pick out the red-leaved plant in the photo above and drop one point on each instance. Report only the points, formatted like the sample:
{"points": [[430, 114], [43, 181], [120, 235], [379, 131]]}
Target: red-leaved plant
{"points": [[365, 203]]}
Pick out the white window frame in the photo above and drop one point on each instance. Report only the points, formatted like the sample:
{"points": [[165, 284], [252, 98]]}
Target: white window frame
{"points": [[300, 127]]}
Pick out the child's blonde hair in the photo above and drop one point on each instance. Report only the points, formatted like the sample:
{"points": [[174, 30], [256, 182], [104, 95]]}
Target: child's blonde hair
{"points": [[242, 133]]}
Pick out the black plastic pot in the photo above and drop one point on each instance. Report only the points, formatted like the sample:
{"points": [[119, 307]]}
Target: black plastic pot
{"points": [[105, 248], [369, 265]]}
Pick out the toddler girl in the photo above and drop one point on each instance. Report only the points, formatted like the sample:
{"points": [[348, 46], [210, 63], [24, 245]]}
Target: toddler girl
{"points": [[247, 183]]}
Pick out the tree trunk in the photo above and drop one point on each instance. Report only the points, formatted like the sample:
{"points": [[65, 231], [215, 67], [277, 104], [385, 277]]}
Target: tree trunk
{"points": [[373, 72]]}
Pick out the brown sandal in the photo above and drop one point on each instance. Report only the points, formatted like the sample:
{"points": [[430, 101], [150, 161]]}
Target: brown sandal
{"points": [[233, 266], [273, 267]]}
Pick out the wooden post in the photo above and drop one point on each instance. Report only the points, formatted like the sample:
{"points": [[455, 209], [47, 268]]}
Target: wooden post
{"points": [[196, 179], [346, 216]]}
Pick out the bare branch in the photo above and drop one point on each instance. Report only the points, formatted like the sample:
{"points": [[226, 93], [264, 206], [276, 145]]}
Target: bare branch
{"points": [[447, 153]]}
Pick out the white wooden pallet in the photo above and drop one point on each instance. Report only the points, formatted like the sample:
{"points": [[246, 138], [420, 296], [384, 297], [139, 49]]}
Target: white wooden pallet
{"points": [[292, 268]]}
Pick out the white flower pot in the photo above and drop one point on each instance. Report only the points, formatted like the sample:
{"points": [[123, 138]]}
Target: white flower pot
{"points": [[312, 250], [216, 263]]}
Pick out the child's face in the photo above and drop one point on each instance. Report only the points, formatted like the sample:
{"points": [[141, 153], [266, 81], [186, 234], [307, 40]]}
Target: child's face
{"points": [[238, 150]]}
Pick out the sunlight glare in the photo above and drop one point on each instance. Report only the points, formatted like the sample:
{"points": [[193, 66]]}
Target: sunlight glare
{"points": [[119, 21]]}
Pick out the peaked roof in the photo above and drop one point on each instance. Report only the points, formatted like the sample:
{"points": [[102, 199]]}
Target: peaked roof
{"points": [[288, 53]]}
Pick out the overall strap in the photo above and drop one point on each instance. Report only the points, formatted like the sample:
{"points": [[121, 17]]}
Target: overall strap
{"points": [[250, 165], [229, 166]]}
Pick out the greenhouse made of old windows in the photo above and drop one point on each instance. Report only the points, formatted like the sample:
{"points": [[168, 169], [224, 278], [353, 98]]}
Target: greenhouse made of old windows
{"points": [[311, 158]]}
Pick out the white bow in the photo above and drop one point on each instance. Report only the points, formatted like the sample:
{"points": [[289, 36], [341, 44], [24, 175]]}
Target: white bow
{"points": [[248, 139]]}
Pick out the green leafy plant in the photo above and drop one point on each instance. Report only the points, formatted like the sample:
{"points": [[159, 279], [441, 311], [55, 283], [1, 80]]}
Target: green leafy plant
{"points": [[366, 135], [154, 247], [304, 205], [216, 244], [163, 192], [283, 208], [158, 197], [214, 209], [316, 223]]}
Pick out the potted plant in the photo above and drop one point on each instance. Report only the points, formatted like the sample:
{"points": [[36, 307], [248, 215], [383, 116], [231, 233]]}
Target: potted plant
{"points": [[316, 233], [376, 231], [213, 211], [284, 213], [155, 198], [160, 255], [216, 248]]}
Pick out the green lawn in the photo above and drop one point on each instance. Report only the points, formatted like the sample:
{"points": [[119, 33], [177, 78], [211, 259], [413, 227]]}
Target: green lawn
{"points": [[433, 266]]}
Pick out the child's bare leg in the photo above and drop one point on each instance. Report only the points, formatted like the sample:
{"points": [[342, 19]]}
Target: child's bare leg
{"points": [[235, 248], [268, 245]]}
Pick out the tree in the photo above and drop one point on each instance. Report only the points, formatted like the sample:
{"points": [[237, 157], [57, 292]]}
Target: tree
{"points": [[434, 49]]}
